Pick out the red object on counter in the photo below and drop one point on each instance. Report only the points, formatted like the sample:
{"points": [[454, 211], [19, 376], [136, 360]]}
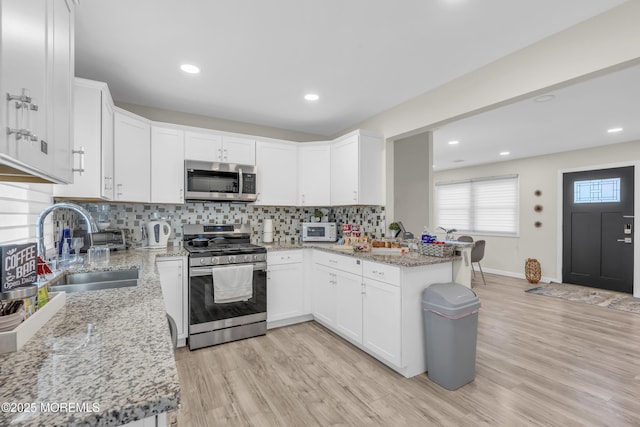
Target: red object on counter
{"points": [[43, 268]]}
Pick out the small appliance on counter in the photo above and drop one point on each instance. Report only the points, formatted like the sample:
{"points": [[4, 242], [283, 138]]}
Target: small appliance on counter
{"points": [[267, 233], [158, 233], [114, 239], [319, 232]]}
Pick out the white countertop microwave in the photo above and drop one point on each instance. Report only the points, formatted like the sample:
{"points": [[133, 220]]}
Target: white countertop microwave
{"points": [[319, 232]]}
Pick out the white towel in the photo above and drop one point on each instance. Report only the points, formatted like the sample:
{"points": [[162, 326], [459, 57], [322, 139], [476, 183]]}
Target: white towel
{"points": [[234, 283]]}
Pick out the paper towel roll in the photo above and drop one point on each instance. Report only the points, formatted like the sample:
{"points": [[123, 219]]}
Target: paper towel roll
{"points": [[268, 226], [267, 237]]}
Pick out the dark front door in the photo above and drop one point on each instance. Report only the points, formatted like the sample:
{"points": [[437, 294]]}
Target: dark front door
{"points": [[597, 229]]}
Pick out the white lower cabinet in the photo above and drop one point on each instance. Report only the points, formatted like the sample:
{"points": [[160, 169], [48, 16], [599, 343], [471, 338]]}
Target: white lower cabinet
{"points": [[362, 309], [174, 282], [382, 326], [349, 290], [153, 421], [285, 287], [324, 295]]}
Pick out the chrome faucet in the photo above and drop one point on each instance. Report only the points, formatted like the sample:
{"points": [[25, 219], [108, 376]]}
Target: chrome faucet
{"points": [[92, 227]]}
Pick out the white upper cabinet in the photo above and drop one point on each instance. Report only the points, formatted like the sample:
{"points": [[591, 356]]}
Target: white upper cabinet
{"points": [[314, 174], [60, 87], [36, 70], [277, 173], [357, 170], [202, 146], [211, 147], [167, 164], [132, 152], [93, 143], [238, 150]]}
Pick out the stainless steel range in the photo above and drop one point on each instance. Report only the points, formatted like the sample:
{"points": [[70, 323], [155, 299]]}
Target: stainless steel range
{"points": [[227, 284]]}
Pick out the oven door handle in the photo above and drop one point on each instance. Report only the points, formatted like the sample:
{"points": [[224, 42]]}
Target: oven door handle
{"points": [[206, 271]]}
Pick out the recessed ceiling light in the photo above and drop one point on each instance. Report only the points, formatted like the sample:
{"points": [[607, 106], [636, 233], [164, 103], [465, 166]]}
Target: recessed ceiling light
{"points": [[311, 97], [189, 68], [544, 98], [614, 130], [454, 142], [504, 153]]}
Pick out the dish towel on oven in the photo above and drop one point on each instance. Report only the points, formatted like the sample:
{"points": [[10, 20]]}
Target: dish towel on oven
{"points": [[231, 284]]}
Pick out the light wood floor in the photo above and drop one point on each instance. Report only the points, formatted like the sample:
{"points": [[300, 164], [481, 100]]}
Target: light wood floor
{"points": [[540, 361]]}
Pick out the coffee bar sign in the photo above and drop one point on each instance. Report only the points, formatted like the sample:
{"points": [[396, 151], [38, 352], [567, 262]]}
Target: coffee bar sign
{"points": [[19, 266]]}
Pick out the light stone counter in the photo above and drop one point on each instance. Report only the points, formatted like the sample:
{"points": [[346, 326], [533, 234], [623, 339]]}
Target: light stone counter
{"points": [[124, 372], [410, 259]]}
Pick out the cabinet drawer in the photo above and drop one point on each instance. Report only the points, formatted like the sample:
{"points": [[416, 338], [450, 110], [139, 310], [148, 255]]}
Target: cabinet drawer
{"points": [[382, 272], [340, 262], [284, 257]]}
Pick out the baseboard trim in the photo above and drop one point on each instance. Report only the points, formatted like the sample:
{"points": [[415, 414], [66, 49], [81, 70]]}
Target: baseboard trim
{"points": [[543, 279]]}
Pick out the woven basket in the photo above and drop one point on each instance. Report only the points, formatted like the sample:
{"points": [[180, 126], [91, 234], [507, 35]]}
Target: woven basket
{"points": [[532, 270], [439, 250]]}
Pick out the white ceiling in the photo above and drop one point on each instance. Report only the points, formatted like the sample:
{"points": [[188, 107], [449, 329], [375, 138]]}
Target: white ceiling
{"points": [[578, 117], [258, 58]]}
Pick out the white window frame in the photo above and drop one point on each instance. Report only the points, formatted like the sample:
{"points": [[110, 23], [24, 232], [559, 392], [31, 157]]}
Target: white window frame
{"points": [[468, 215]]}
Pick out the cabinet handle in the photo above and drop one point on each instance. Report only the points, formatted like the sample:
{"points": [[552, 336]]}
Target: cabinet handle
{"points": [[333, 261], [24, 102], [106, 183], [302, 198], [181, 194], [80, 168], [355, 196], [225, 153], [363, 290], [119, 191]]}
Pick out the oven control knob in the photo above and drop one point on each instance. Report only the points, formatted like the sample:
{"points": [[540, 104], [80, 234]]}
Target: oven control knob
{"points": [[247, 258], [255, 257], [232, 259], [203, 261], [215, 260]]}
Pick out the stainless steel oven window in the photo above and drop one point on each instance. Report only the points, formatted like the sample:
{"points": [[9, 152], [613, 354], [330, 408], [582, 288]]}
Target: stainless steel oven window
{"points": [[202, 309]]}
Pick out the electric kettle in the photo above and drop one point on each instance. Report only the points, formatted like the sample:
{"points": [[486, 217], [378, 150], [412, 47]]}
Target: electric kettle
{"points": [[158, 233]]}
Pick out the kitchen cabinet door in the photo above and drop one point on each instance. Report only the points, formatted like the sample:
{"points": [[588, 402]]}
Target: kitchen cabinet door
{"points": [[344, 172], [132, 151], [202, 146], [93, 143], [314, 174], [23, 72], [277, 173], [285, 291], [167, 164], [357, 170], [238, 150], [107, 167], [324, 295], [349, 305], [382, 327], [60, 55], [173, 280]]}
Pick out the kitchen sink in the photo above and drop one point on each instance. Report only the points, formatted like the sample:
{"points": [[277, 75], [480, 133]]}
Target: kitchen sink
{"points": [[95, 280]]}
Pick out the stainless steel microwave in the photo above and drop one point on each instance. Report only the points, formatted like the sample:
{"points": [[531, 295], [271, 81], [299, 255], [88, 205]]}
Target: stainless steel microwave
{"points": [[219, 181], [319, 232]]}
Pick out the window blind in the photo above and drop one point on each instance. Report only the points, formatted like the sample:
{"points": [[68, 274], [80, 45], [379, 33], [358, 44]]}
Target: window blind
{"points": [[482, 205], [20, 205]]}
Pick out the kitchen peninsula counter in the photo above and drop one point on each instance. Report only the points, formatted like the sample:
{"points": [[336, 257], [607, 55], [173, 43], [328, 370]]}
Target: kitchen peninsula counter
{"points": [[124, 371], [410, 259]]}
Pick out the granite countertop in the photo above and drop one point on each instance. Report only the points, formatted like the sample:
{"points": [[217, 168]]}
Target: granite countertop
{"points": [[124, 372], [410, 259]]}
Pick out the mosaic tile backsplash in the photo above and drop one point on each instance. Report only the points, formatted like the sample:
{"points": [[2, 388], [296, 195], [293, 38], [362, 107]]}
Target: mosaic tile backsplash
{"points": [[287, 220]]}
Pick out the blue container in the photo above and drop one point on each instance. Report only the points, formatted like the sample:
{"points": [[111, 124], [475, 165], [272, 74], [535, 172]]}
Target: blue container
{"points": [[66, 234]]}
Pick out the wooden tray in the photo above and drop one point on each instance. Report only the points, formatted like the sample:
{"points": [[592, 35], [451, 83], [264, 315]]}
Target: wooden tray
{"points": [[11, 341]]}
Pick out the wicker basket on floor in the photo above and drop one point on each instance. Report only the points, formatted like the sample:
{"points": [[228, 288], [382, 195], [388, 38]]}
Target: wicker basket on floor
{"points": [[532, 270], [435, 249]]}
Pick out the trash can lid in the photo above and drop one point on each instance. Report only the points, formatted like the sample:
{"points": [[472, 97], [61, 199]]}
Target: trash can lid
{"points": [[452, 299]]}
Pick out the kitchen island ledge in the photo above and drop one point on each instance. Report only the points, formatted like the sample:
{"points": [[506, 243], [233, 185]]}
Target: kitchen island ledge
{"points": [[124, 372], [410, 259]]}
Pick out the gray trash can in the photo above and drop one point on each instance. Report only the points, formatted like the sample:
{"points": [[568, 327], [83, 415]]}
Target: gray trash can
{"points": [[451, 330]]}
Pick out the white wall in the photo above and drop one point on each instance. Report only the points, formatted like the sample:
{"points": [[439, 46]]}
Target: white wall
{"points": [[20, 205], [507, 255]]}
